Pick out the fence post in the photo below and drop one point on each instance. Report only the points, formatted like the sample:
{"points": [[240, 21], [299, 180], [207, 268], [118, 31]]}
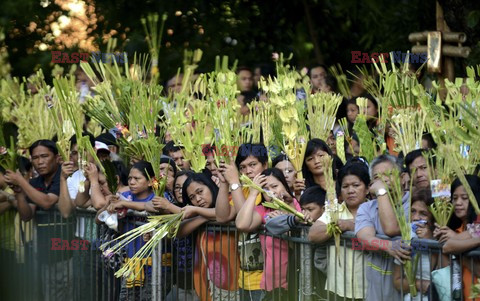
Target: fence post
{"points": [[157, 272], [305, 286]]}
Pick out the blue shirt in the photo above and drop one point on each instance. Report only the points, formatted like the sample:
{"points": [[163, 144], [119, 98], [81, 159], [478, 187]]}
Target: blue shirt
{"points": [[135, 245], [379, 271]]}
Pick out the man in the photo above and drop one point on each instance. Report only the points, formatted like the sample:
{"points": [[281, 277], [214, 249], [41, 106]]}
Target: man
{"points": [[41, 193], [174, 84], [370, 221], [176, 153], [416, 163], [74, 187], [103, 152], [83, 84], [244, 79], [245, 98], [111, 142], [264, 70], [317, 74]]}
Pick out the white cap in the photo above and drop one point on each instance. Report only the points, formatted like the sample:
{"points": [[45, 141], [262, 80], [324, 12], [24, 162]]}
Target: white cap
{"points": [[101, 146]]}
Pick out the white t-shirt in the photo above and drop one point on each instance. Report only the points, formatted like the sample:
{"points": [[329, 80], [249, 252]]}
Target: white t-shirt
{"points": [[73, 183]]}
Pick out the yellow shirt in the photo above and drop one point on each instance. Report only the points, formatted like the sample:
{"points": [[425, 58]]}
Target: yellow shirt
{"points": [[250, 280], [347, 266]]}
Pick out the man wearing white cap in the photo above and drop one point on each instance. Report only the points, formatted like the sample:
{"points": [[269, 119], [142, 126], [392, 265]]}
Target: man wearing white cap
{"points": [[103, 153]]}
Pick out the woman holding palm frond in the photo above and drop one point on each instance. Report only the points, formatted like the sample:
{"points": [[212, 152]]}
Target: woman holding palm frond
{"points": [[136, 198], [461, 235], [353, 182]]}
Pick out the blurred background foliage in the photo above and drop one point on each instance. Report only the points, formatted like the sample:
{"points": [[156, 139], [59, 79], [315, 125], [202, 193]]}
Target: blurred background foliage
{"points": [[317, 31]]}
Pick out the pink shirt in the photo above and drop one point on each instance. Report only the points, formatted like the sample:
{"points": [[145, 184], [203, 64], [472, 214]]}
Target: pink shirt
{"points": [[275, 252]]}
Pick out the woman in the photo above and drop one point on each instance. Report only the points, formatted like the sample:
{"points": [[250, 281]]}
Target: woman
{"points": [[162, 205], [215, 275], [371, 111], [312, 169], [178, 182], [251, 217], [140, 192], [456, 236], [168, 169], [353, 180]]}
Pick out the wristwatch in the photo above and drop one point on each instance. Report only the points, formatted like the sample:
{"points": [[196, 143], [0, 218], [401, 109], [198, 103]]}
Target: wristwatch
{"points": [[381, 192], [234, 186]]}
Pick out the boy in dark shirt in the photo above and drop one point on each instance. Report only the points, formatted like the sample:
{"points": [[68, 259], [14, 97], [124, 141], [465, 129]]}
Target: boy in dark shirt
{"points": [[312, 281]]}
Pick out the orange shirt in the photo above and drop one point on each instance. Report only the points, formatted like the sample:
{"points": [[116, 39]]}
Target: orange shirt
{"points": [[391, 146], [216, 263]]}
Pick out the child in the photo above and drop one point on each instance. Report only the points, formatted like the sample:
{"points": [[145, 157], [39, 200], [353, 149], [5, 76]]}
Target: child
{"points": [[352, 111], [283, 163], [312, 203], [249, 219], [422, 227]]}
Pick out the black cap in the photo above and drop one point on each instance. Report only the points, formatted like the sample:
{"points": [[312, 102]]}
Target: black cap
{"points": [[107, 138]]}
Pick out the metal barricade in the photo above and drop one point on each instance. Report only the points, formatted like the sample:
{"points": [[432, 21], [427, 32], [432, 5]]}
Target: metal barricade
{"points": [[52, 258]]}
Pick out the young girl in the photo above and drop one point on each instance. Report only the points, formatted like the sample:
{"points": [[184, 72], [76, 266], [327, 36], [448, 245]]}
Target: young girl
{"points": [[283, 163], [168, 169], [249, 219], [423, 220], [352, 111], [216, 260], [139, 194]]}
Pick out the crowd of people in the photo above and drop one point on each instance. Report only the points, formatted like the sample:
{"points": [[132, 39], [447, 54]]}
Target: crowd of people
{"points": [[254, 265]]}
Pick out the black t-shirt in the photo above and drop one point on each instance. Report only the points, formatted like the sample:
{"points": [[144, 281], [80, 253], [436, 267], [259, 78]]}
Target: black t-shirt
{"points": [[50, 224], [39, 184]]}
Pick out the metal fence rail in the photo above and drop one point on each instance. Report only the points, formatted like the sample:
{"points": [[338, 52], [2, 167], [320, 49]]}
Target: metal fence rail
{"points": [[53, 258]]}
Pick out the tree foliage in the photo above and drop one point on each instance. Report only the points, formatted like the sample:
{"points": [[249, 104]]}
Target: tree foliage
{"points": [[246, 30]]}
